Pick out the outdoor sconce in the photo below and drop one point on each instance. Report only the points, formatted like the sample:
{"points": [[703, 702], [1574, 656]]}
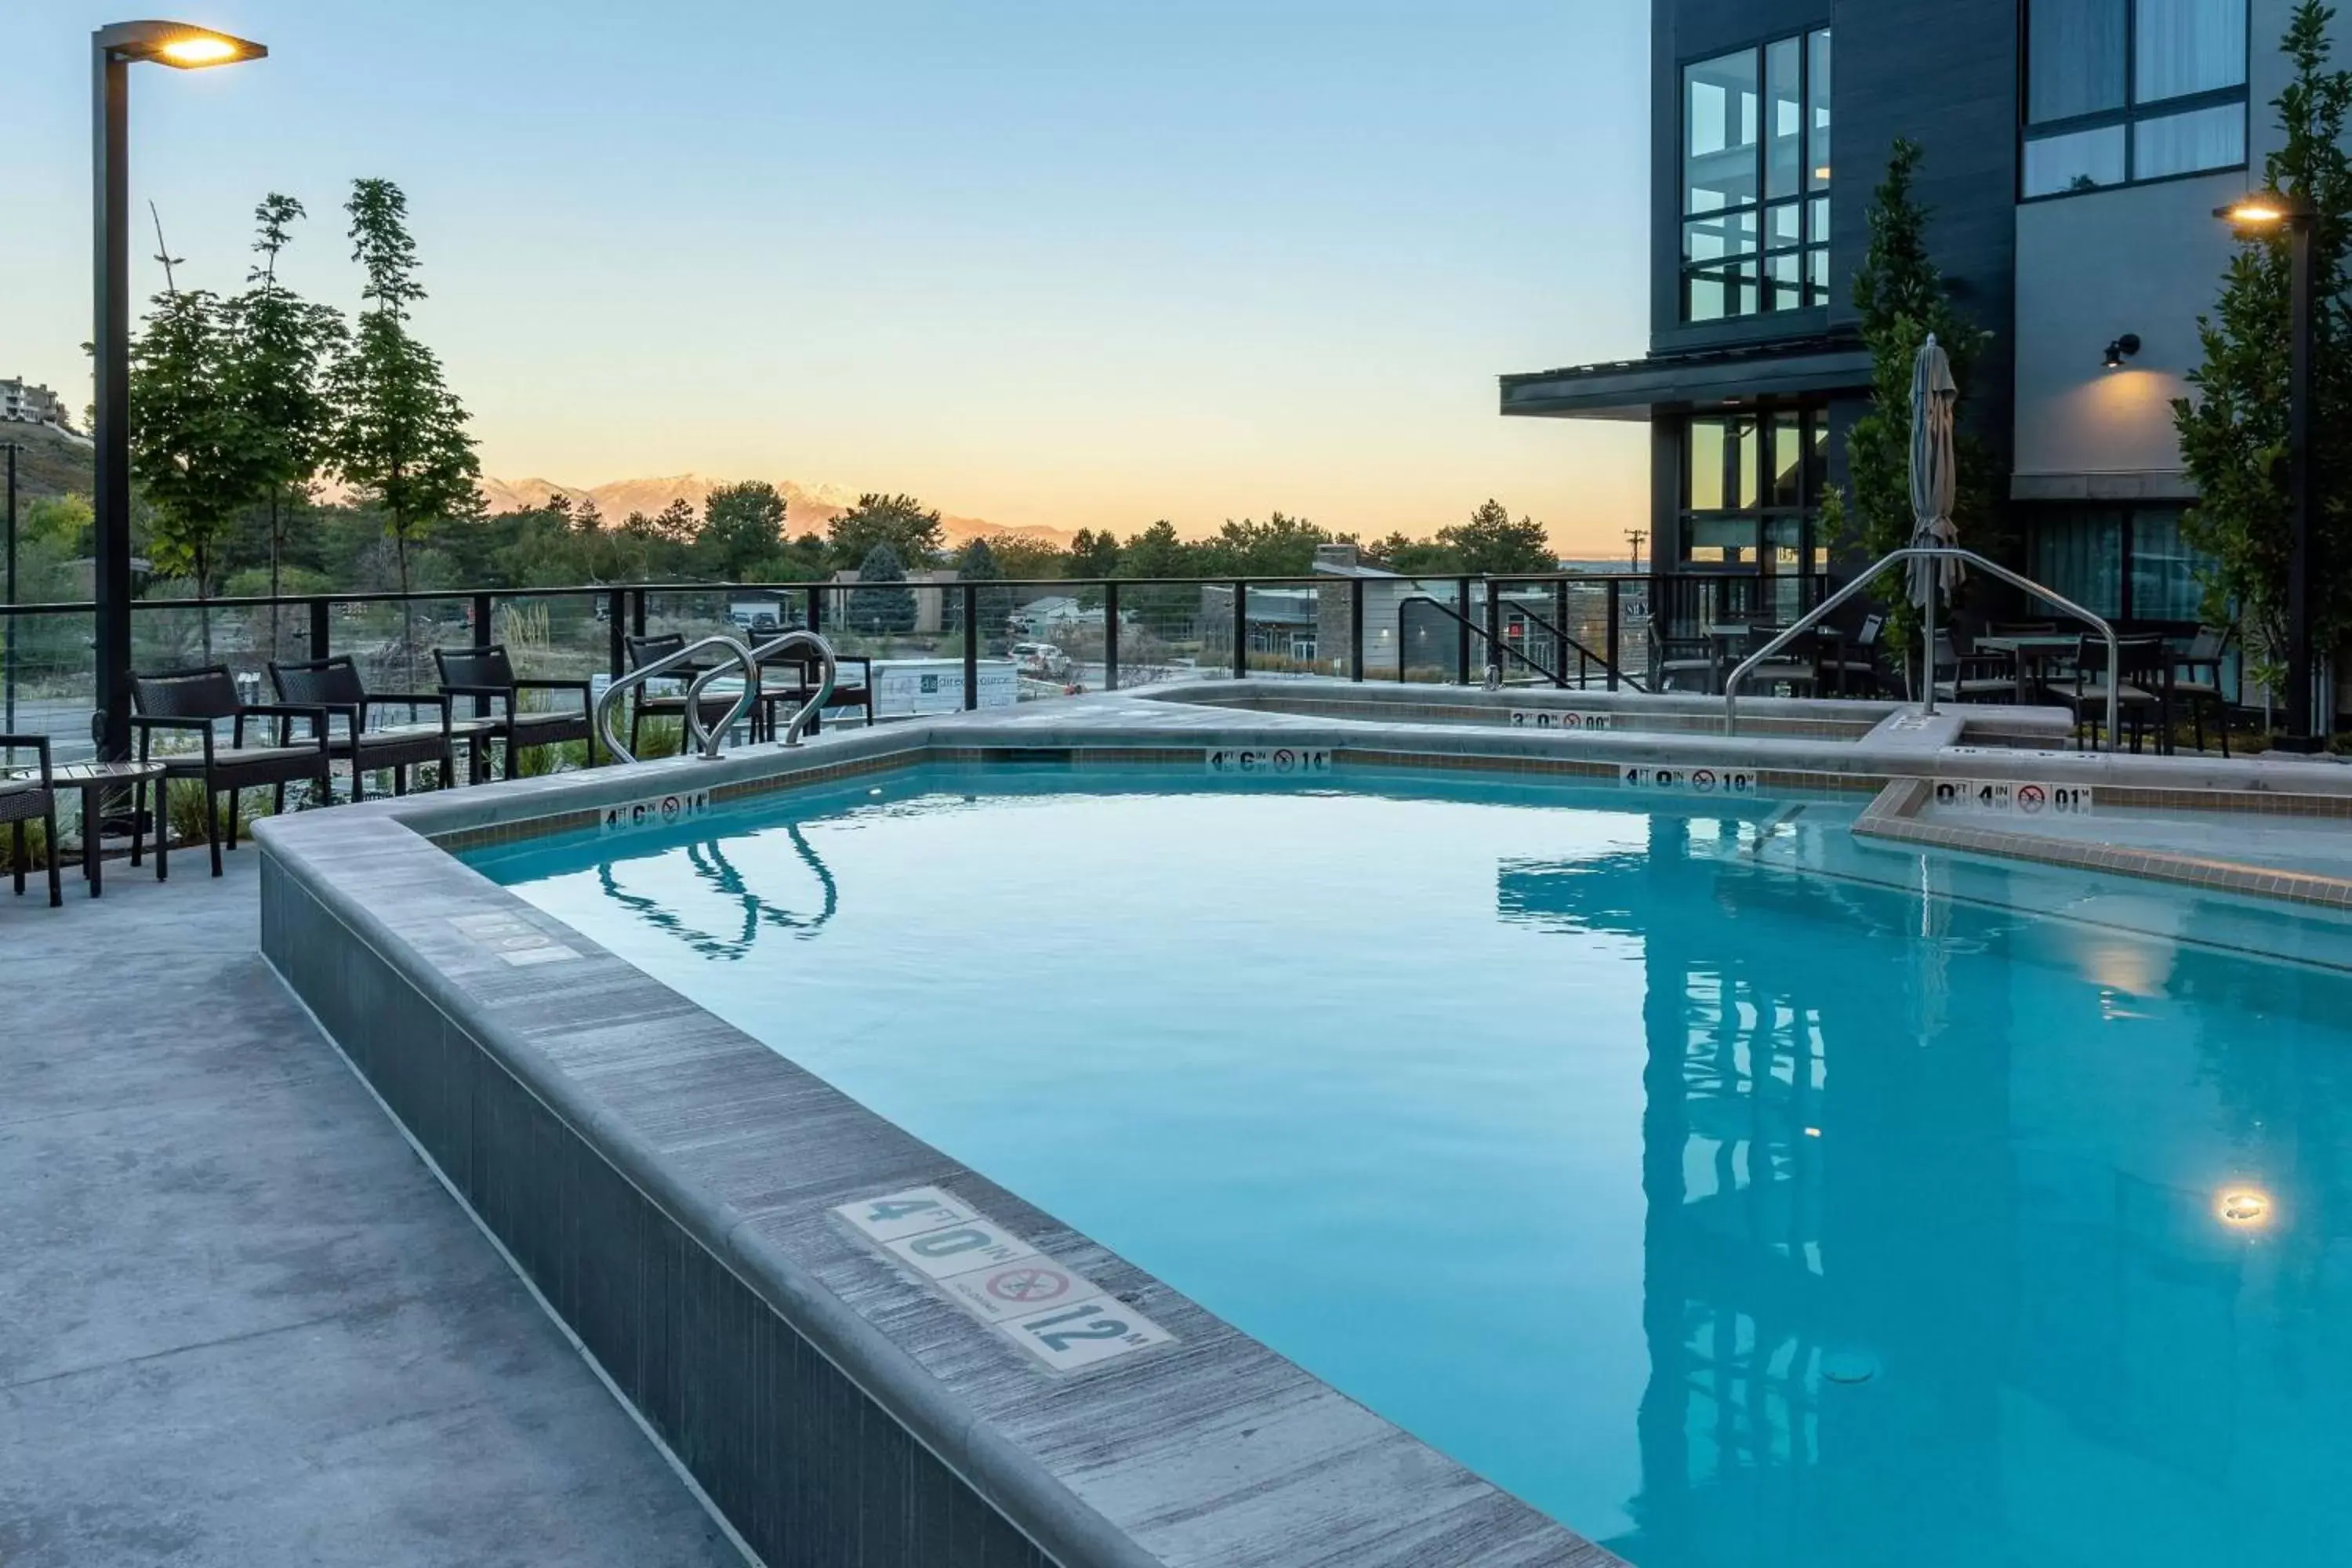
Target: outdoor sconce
{"points": [[2122, 349]]}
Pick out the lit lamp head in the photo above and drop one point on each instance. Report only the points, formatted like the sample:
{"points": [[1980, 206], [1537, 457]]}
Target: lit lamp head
{"points": [[2121, 349], [182, 45], [2265, 211]]}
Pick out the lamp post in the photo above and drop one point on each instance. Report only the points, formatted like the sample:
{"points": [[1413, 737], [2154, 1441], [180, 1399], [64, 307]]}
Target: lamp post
{"points": [[2266, 212], [113, 51]]}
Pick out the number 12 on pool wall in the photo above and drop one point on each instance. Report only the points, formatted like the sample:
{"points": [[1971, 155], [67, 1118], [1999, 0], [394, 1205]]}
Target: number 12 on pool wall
{"points": [[1078, 1336]]}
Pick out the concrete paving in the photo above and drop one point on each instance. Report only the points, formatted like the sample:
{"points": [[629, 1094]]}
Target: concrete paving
{"points": [[240, 1321]]}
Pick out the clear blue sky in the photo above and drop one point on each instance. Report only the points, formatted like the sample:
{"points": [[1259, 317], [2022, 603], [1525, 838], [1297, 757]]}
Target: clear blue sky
{"points": [[1054, 262]]}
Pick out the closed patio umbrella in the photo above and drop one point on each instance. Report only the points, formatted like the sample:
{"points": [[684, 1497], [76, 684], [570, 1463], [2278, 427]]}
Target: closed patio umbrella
{"points": [[1933, 490]]}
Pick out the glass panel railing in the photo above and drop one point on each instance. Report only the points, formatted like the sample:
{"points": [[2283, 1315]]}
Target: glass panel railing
{"points": [[1284, 629], [48, 674]]}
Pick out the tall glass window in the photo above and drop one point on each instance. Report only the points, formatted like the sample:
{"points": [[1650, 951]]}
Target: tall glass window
{"points": [[2123, 90], [1756, 171], [1752, 480]]}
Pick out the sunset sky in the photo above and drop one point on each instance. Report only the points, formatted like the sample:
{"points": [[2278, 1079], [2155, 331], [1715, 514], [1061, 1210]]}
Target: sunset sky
{"points": [[1041, 262]]}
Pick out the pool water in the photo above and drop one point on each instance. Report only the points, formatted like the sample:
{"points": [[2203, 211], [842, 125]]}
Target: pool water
{"points": [[1729, 1214]]}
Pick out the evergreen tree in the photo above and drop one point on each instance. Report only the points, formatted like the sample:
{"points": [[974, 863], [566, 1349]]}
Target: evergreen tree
{"points": [[1901, 298], [282, 347], [882, 603], [742, 529], [2233, 429], [992, 607], [401, 438], [1158, 552], [1094, 553]]}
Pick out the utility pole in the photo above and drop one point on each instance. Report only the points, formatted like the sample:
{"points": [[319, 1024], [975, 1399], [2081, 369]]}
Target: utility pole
{"points": [[9, 726], [1633, 536]]}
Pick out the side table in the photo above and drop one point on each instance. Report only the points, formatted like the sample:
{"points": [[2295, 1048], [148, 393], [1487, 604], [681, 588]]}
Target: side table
{"points": [[94, 779]]}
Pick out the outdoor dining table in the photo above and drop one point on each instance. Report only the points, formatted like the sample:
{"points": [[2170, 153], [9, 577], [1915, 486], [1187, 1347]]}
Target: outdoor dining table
{"points": [[2035, 652]]}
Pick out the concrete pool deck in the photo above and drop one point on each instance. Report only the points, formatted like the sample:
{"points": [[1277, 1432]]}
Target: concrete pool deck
{"points": [[240, 1321]]}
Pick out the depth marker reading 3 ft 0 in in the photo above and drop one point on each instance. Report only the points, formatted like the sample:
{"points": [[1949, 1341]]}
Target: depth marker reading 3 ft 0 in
{"points": [[1057, 1314]]}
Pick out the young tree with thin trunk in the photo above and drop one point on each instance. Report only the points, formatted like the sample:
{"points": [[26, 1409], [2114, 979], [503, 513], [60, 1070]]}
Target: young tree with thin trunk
{"points": [[282, 347], [401, 438]]}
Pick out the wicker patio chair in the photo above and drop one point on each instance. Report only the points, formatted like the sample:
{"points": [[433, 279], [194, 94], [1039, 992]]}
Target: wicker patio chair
{"points": [[488, 674], [30, 799], [367, 744]]}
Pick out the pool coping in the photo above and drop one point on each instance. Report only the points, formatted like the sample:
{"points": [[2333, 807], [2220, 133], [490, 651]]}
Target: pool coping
{"points": [[1215, 1451]]}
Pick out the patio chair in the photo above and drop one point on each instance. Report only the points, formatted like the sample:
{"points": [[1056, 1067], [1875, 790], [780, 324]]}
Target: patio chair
{"points": [[488, 674], [2143, 677], [1849, 664], [1795, 666], [334, 684], [789, 679], [2022, 629], [651, 704], [195, 701], [1682, 664], [1974, 677], [30, 799], [2197, 682]]}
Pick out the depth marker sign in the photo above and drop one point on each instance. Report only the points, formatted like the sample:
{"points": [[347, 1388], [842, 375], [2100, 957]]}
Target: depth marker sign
{"points": [[2008, 798], [1689, 781], [1055, 1313], [655, 811], [1272, 762]]}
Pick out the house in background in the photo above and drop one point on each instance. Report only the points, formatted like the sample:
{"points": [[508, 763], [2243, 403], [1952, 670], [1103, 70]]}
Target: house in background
{"points": [[2074, 154]]}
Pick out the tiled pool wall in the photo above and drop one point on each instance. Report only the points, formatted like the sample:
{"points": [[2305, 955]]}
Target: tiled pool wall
{"points": [[667, 1182]]}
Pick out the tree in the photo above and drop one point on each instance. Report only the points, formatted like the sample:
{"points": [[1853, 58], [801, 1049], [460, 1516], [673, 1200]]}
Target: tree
{"points": [[1901, 298], [192, 445], [1094, 555], [882, 602], [992, 607], [1491, 546], [899, 521], [1400, 552], [742, 526], [281, 348], [401, 438], [2233, 428], [1158, 552], [1279, 547]]}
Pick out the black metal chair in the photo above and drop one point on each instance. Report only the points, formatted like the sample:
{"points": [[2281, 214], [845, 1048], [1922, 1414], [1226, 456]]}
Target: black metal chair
{"points": [[194, 701], [2143, 687], [2197, 682], [650, 704], [789, 679], [1847, 664], [334, 684], [30, 799], [488, 673], [1682, 664], [1983, 676]]}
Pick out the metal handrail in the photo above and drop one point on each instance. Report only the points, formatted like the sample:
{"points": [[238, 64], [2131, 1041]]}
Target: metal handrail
{"points": [[708, 741], [1448, 611], [762, 652], [1582, 652], [1929, 552]]}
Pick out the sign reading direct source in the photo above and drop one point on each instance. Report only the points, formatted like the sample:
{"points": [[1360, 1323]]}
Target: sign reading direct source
{"points": [[1689, 781], [1273, 762], [654, 811], [1560, 719], [1055, 1313], [2005, 797]]}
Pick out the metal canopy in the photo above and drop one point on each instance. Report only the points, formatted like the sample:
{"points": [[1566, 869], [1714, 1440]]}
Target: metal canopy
{"points": [[1695, 379]]}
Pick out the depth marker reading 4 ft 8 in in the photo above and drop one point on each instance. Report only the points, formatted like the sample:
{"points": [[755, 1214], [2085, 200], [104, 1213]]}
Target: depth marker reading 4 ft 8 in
{"points": [[1057, 1314]]}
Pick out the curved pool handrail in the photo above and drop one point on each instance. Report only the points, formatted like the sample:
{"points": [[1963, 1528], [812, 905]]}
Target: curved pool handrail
{"points": [[762, 652], [710, 742], [1928, 552]]}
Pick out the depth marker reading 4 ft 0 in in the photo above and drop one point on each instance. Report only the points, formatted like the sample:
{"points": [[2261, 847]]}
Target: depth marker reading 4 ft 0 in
{"points": [[1689, 781], [1055, 1313]]}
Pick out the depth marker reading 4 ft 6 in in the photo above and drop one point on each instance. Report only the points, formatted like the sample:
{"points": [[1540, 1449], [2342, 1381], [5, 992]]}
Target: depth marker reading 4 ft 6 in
{"points": [[1057, 1314], [658, 811], [1273, 762]]}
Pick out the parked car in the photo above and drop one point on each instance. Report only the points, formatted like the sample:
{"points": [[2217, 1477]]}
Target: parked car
{"points": [[1041, 660]]}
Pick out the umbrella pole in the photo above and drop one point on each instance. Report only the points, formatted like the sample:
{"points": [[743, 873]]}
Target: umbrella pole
{"points": [[1928, 638]]}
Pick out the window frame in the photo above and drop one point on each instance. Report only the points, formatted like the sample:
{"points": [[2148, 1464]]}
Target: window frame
{"points": [[1750, 269], [2131, 113], [1812, 426]]}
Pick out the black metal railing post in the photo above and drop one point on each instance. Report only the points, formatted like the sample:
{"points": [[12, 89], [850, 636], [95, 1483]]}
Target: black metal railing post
{"points": [[1611, 647], [1494, 625], [1110, 636], [1559, 649], [1240, 629], [617, 615], [815, 608], [638, 613], [1355, 629], [320, 629], [1462, 631], [482, 610], [970, 647]]}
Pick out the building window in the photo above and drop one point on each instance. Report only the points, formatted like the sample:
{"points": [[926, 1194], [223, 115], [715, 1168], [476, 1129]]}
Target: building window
{"points": [[2118, 91], [1752, 480], [2125, 563], [1755, 180]]}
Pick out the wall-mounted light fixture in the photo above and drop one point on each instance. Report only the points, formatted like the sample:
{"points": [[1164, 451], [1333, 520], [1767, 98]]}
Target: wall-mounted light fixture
{"points": [[2122, 349]]}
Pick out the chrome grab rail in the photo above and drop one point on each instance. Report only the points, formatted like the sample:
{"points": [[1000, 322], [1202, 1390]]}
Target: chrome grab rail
{"points": [[760, 653], [1929, 552], [706, 740]]}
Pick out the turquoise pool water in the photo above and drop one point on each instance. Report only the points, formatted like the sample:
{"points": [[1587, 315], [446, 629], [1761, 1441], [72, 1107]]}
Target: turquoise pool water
{"points": [[1732, 1214]]}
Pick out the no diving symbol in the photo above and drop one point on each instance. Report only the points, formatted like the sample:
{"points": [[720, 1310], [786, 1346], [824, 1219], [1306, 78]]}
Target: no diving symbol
{"points": [[1284, 762], [670, 807], [1027, 1285], [2030, 799], [1703, 780]]}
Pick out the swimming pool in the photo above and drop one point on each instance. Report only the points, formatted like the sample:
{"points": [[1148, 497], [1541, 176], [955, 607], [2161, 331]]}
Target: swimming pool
{"points": [[1730, 1214]]}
